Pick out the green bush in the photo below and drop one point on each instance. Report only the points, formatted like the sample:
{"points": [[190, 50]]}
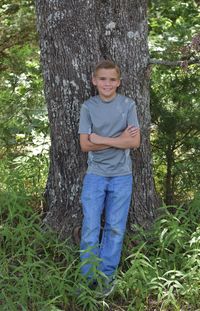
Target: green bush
{"points": [[165, 269], [159, 270], [39, 272]]}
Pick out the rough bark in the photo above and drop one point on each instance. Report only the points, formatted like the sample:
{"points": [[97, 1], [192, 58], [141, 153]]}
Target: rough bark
{"points": [[169, 182], [74, 35]]}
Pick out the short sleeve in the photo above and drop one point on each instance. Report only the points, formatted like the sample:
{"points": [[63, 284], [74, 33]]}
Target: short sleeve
{"points": [[85, 124], [132, 115]]}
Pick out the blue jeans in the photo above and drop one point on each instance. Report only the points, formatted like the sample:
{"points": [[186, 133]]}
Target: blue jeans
{"points": [[113, 194]]}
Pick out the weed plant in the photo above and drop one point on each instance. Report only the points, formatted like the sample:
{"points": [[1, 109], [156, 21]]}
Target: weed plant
{"points": [[163, 270], [38, 272], [160, 269]]}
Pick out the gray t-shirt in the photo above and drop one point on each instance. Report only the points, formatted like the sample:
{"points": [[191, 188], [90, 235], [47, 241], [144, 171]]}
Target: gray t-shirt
{"points": [[108, 119]]}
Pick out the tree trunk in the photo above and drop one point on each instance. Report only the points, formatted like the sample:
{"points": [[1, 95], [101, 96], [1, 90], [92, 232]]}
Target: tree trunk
{"points": [[74, 35], [169, 181]]}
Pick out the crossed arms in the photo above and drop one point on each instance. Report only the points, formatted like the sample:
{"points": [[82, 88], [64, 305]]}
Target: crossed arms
{"points": [[130, 138]]}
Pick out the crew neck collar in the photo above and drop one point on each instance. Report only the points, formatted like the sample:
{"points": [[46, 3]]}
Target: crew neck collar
{"points": [[108, 101]]}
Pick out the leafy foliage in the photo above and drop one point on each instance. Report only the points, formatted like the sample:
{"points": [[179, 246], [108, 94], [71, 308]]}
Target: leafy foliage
{"points": [[175, 97], [162, 268], [17, 27], [176, 132], [22, 103], [172, 25], [23, 121]]}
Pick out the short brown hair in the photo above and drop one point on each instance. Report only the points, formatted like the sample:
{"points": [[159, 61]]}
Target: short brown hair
{"points": [[107, 64]]}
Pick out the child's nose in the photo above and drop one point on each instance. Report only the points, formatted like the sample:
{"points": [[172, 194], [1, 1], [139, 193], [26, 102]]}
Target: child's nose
{"points": [[108, 82]]}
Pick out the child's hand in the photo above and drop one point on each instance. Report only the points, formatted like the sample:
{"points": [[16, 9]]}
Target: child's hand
{"points": [[130, 131], [95, 139]]}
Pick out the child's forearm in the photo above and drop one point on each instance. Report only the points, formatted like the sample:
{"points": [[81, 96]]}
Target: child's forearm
{"points": [[89, 146], [119, 142], [130, 138]]}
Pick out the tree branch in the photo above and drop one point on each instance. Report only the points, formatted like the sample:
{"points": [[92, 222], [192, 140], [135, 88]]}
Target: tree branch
{"points": [[180, 63]]}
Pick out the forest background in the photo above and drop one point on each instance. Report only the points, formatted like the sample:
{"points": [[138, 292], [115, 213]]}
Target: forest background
{"points": [[39, 272]]}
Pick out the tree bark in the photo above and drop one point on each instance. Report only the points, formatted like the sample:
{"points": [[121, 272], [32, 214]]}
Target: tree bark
{"points": [[74, 35], [169, 182]]}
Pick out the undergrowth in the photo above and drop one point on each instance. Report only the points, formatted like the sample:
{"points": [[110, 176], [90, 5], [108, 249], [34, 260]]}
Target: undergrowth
{"points": [[160, 269], [163, 269]]}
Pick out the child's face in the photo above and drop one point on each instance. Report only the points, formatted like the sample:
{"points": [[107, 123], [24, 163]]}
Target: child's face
{"points": [[107, 82]]}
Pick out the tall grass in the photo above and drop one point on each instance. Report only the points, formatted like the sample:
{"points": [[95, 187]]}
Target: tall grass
{"points": [[35, 267], [164, 268], [37, 271], [40, 273]]}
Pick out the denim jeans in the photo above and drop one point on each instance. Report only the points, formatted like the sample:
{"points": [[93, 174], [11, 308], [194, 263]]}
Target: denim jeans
{"points": [[114, 195]]}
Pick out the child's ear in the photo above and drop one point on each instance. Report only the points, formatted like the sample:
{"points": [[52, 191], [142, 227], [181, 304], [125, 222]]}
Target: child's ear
{"points": [[119, 82], [94, 82]]}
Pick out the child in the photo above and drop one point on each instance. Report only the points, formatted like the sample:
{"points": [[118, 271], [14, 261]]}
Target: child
{"points": [[108, 129]]}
